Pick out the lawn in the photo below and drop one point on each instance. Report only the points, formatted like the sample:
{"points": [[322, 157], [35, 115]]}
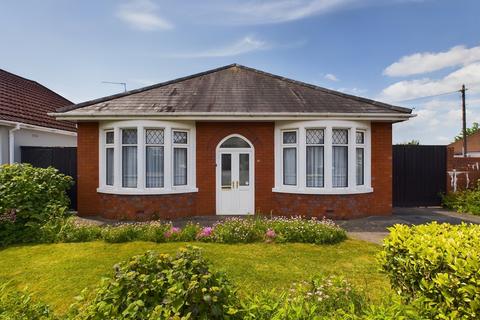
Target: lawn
{"points": [[56, 273]]}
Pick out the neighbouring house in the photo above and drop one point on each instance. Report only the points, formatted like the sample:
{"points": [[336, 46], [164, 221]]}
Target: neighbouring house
{"points": [[24, 119], [234, 140], [473, 146]]}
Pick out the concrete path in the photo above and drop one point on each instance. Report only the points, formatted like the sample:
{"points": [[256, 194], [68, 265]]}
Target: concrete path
{"points": [[374, 229]]}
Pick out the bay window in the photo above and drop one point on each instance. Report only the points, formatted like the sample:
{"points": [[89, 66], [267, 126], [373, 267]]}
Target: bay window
{"points": [[147, 157], [322, 157]]}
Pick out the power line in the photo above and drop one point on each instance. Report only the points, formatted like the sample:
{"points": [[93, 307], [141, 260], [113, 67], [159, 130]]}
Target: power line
{"points": [[431, 96]]}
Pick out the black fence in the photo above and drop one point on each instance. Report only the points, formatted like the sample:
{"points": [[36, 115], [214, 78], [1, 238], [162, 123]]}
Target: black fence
{"points": [[63, 159], [419, 175]]}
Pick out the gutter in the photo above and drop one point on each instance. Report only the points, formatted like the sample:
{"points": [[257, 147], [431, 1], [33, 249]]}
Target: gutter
{"points": [[94, 115], [11, 143], [37, 128]]}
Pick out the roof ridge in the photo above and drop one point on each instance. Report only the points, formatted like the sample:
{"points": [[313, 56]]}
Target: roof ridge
{"points": [[301, 83]]}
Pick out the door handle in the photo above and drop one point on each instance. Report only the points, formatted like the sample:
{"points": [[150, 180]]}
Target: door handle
{"points": [[237, 184]]}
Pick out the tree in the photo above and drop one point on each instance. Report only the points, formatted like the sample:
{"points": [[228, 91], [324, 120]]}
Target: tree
{"points": [[411, 142], [474, 129]]}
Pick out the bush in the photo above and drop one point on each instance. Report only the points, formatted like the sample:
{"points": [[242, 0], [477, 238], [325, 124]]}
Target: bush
{"points": [[20, 306], [321, 298], [159, 286], [437, 265], [29, 197], [238, 230], [69, 230], [124, 232], [467, 201]]}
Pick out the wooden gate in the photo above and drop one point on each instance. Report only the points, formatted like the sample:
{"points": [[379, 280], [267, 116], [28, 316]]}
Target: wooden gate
{"points": [[419, 175], [62, 158]]}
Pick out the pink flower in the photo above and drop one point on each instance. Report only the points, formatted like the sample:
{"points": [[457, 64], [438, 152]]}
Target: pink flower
{"points": [[205, 232], [270, 234], [171, 232]]}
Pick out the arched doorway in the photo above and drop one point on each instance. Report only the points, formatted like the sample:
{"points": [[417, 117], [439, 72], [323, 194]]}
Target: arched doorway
{"points": [[235, 189]]}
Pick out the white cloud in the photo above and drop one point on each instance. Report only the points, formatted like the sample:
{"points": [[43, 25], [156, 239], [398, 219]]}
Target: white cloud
{"points": [[245, 45], [142, 15], [424, 62], [410, 89], [355, 91], [256, 12], [331, 77], [438, 121]]}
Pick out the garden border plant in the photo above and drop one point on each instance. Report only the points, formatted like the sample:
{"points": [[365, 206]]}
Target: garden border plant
{"points": [[231, 230]]}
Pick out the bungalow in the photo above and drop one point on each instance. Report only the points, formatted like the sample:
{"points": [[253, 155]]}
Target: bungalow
{"points": [[24, 121], [234, 141]]}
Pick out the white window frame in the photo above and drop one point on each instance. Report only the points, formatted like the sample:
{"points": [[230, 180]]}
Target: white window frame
{"points": [[145, 156], [286, 146], [327, 125], [360, 146], [315, 145], [109, 146], [180, 146], [141, 126]]}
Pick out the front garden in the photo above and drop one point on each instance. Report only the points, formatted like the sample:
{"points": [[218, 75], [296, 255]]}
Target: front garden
{"points": [[258, 268]]}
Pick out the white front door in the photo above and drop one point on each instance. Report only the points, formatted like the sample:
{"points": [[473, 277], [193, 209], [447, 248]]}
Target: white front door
{"points": [[235, 185]]}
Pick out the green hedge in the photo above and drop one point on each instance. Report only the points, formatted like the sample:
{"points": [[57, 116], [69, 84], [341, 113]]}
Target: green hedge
{"points": [[466, 201], [438, 266], [29, 198]]}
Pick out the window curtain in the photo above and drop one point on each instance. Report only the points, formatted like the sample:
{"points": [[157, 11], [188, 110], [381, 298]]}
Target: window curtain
{"points": [[290, 166], [179, 166], [360, 166], [340, 167], [129, 167], [315, 166], [109, 164], [154, 167]]}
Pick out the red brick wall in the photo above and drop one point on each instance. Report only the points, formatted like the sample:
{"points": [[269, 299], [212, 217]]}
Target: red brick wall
{"points": [[462, 173], [379, 202], [209, 134], [88, 200]]}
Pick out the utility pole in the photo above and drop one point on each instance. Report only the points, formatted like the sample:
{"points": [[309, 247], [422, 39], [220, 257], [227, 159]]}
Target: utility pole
{"points": [[464, 120]]}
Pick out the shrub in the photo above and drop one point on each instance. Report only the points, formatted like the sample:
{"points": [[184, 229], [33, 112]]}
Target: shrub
{"points": [[29, 197], [322, 298], [237, 230], [467, 201], [124, 232], [437, 265], [316, 231], [159, 286], [69, 230], [20, 306]]}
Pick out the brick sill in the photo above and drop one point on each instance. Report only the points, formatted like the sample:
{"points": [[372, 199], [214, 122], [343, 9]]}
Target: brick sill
{"points": [[336, 191], [132, 191]]}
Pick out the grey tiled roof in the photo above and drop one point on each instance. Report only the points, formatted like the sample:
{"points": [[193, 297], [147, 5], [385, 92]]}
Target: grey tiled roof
{"points": [[233, 89]]}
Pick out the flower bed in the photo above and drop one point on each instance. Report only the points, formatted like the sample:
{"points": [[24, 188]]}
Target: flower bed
{"points": [[232, 230]]}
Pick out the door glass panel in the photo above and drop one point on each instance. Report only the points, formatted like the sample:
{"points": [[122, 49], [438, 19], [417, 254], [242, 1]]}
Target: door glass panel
{"points": [[226, 167], [235, 142], [244, 169]]}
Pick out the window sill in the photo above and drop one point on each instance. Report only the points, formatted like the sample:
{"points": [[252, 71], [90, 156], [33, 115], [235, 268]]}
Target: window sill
{"points": [[332, 191], [135, 191]]}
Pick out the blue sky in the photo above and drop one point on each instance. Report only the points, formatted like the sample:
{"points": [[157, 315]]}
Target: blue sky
{"points": [[392, 50]]}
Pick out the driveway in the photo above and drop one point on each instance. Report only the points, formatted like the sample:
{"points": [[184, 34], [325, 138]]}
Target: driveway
{"points": [[374, 229]]}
